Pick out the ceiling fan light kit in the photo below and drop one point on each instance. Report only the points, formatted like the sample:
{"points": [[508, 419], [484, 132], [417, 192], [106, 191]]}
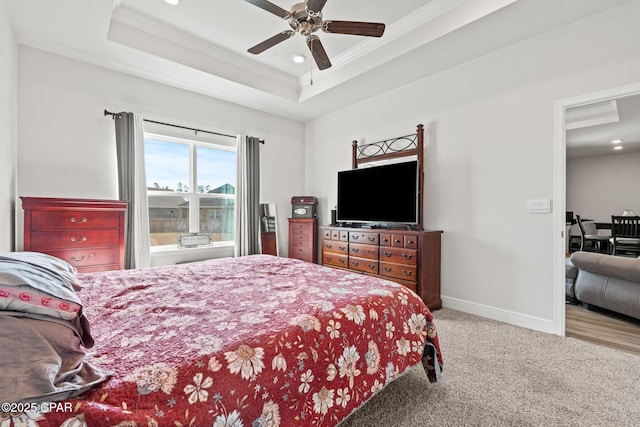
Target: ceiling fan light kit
{"points": [[298, 58], [306, 18]]}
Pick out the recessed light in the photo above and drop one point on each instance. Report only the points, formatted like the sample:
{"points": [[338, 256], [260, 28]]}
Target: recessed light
{"points": [[172, 2], [616, 141], [618, 147], [298, 59]]}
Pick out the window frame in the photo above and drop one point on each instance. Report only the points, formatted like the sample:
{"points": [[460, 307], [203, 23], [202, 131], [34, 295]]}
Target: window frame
{"points": [[193, 196]]}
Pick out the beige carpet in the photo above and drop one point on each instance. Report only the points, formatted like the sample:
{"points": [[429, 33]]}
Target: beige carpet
{"points": [[501, 375]]}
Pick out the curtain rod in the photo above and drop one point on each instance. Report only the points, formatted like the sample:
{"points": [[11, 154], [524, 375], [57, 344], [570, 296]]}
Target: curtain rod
{"points": [[113, 116]]}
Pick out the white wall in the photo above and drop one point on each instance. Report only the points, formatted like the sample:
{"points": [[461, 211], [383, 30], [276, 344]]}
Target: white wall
{"points": [[67, 147], [489, 149], [8, 66], [601, 186]]}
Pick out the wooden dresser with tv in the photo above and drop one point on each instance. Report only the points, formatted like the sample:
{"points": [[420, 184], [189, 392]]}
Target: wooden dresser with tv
{"points": [[385, 239], [411, 258], [86, 233]]}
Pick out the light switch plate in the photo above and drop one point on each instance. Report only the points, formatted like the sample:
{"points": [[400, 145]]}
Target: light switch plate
{"points": [[539, 206]]}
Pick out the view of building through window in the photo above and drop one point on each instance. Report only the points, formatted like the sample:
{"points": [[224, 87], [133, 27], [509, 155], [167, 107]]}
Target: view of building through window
{"points": [[191, 189]]}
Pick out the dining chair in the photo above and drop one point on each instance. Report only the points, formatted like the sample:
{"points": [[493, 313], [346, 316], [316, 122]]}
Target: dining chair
{"points": [[590, 241], [625, 235]]}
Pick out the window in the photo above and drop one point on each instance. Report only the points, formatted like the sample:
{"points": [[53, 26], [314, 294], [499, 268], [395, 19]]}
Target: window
{"points": [[191, 189]]}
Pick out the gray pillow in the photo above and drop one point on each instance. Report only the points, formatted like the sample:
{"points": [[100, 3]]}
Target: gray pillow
{"points": [[36, 283]]}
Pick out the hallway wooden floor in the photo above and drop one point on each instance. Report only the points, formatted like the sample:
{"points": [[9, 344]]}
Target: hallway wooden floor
{"points": [[603, 328]]}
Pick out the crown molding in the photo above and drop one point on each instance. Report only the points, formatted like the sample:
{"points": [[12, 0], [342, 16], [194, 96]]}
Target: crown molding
{"points": [[137, 19], [393, 32]]}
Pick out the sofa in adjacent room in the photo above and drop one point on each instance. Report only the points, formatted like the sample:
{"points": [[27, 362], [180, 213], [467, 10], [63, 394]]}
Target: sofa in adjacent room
{"points": [[606, 281]]}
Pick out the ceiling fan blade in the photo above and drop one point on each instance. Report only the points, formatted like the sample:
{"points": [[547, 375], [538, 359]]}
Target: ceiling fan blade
{"points": [[315, 6], [318, 52], [270, 7], [278, 38], [370, 29]]}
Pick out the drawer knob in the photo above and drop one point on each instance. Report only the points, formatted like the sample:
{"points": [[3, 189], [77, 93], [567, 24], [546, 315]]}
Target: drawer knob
{"points": [[82, 239], [388, 269], [74, 220], [407, 256], [406, 273], [385, 253]]}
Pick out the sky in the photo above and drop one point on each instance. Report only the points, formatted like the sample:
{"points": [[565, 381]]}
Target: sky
{"points": [[167, 164]]}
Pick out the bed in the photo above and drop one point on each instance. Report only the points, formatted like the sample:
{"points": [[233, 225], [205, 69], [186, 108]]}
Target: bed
{"points": [[257, 340]]}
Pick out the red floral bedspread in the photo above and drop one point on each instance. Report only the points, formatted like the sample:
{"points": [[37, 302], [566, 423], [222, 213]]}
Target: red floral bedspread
{"points": [[237, 341]]}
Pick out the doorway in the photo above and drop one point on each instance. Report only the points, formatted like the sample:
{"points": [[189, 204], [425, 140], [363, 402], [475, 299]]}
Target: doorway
{"points": [[563, 110]]}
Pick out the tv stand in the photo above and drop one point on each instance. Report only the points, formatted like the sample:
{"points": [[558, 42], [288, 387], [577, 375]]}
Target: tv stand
{"points": [[408, 257]]}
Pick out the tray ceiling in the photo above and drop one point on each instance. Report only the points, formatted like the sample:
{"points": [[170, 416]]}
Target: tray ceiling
{"points": [[201, 45]]}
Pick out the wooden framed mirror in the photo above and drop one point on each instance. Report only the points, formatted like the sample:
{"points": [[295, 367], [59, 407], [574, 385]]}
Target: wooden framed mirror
{"points": [[268, 229]]}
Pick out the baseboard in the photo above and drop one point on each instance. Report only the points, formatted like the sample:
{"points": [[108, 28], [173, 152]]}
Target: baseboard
{"points": [[506, 316]]}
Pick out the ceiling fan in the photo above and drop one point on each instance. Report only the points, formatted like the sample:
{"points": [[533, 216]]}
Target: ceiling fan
{"points": [[306, 18]]}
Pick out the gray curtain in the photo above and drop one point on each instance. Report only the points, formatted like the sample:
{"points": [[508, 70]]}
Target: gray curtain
{"points": [[132, 188], [247, 227]]}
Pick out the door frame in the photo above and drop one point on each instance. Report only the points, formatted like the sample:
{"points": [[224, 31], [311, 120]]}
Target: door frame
{"points": [[559, 189]]}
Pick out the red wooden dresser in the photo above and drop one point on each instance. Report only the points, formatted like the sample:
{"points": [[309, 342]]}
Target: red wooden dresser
{"points": [[87, 233]]}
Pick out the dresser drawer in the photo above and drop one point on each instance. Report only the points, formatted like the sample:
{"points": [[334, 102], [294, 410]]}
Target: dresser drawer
{"points": [[97, 268], [88, 257], [335, 247], [363, 264], [363, 251], [297, 238], [385, 239], [398, 255], [55, 220], [300, 227], [364, 237], [74, 239], [399, 271], [410, 241], [335, 260], [299, 250]]}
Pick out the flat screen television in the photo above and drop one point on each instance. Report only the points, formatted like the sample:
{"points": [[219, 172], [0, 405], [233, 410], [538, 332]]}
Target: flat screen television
{"points": [[386, 194]]}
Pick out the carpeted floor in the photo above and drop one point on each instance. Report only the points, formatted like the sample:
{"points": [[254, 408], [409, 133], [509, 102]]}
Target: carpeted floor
{"points": [[496, 374]]}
